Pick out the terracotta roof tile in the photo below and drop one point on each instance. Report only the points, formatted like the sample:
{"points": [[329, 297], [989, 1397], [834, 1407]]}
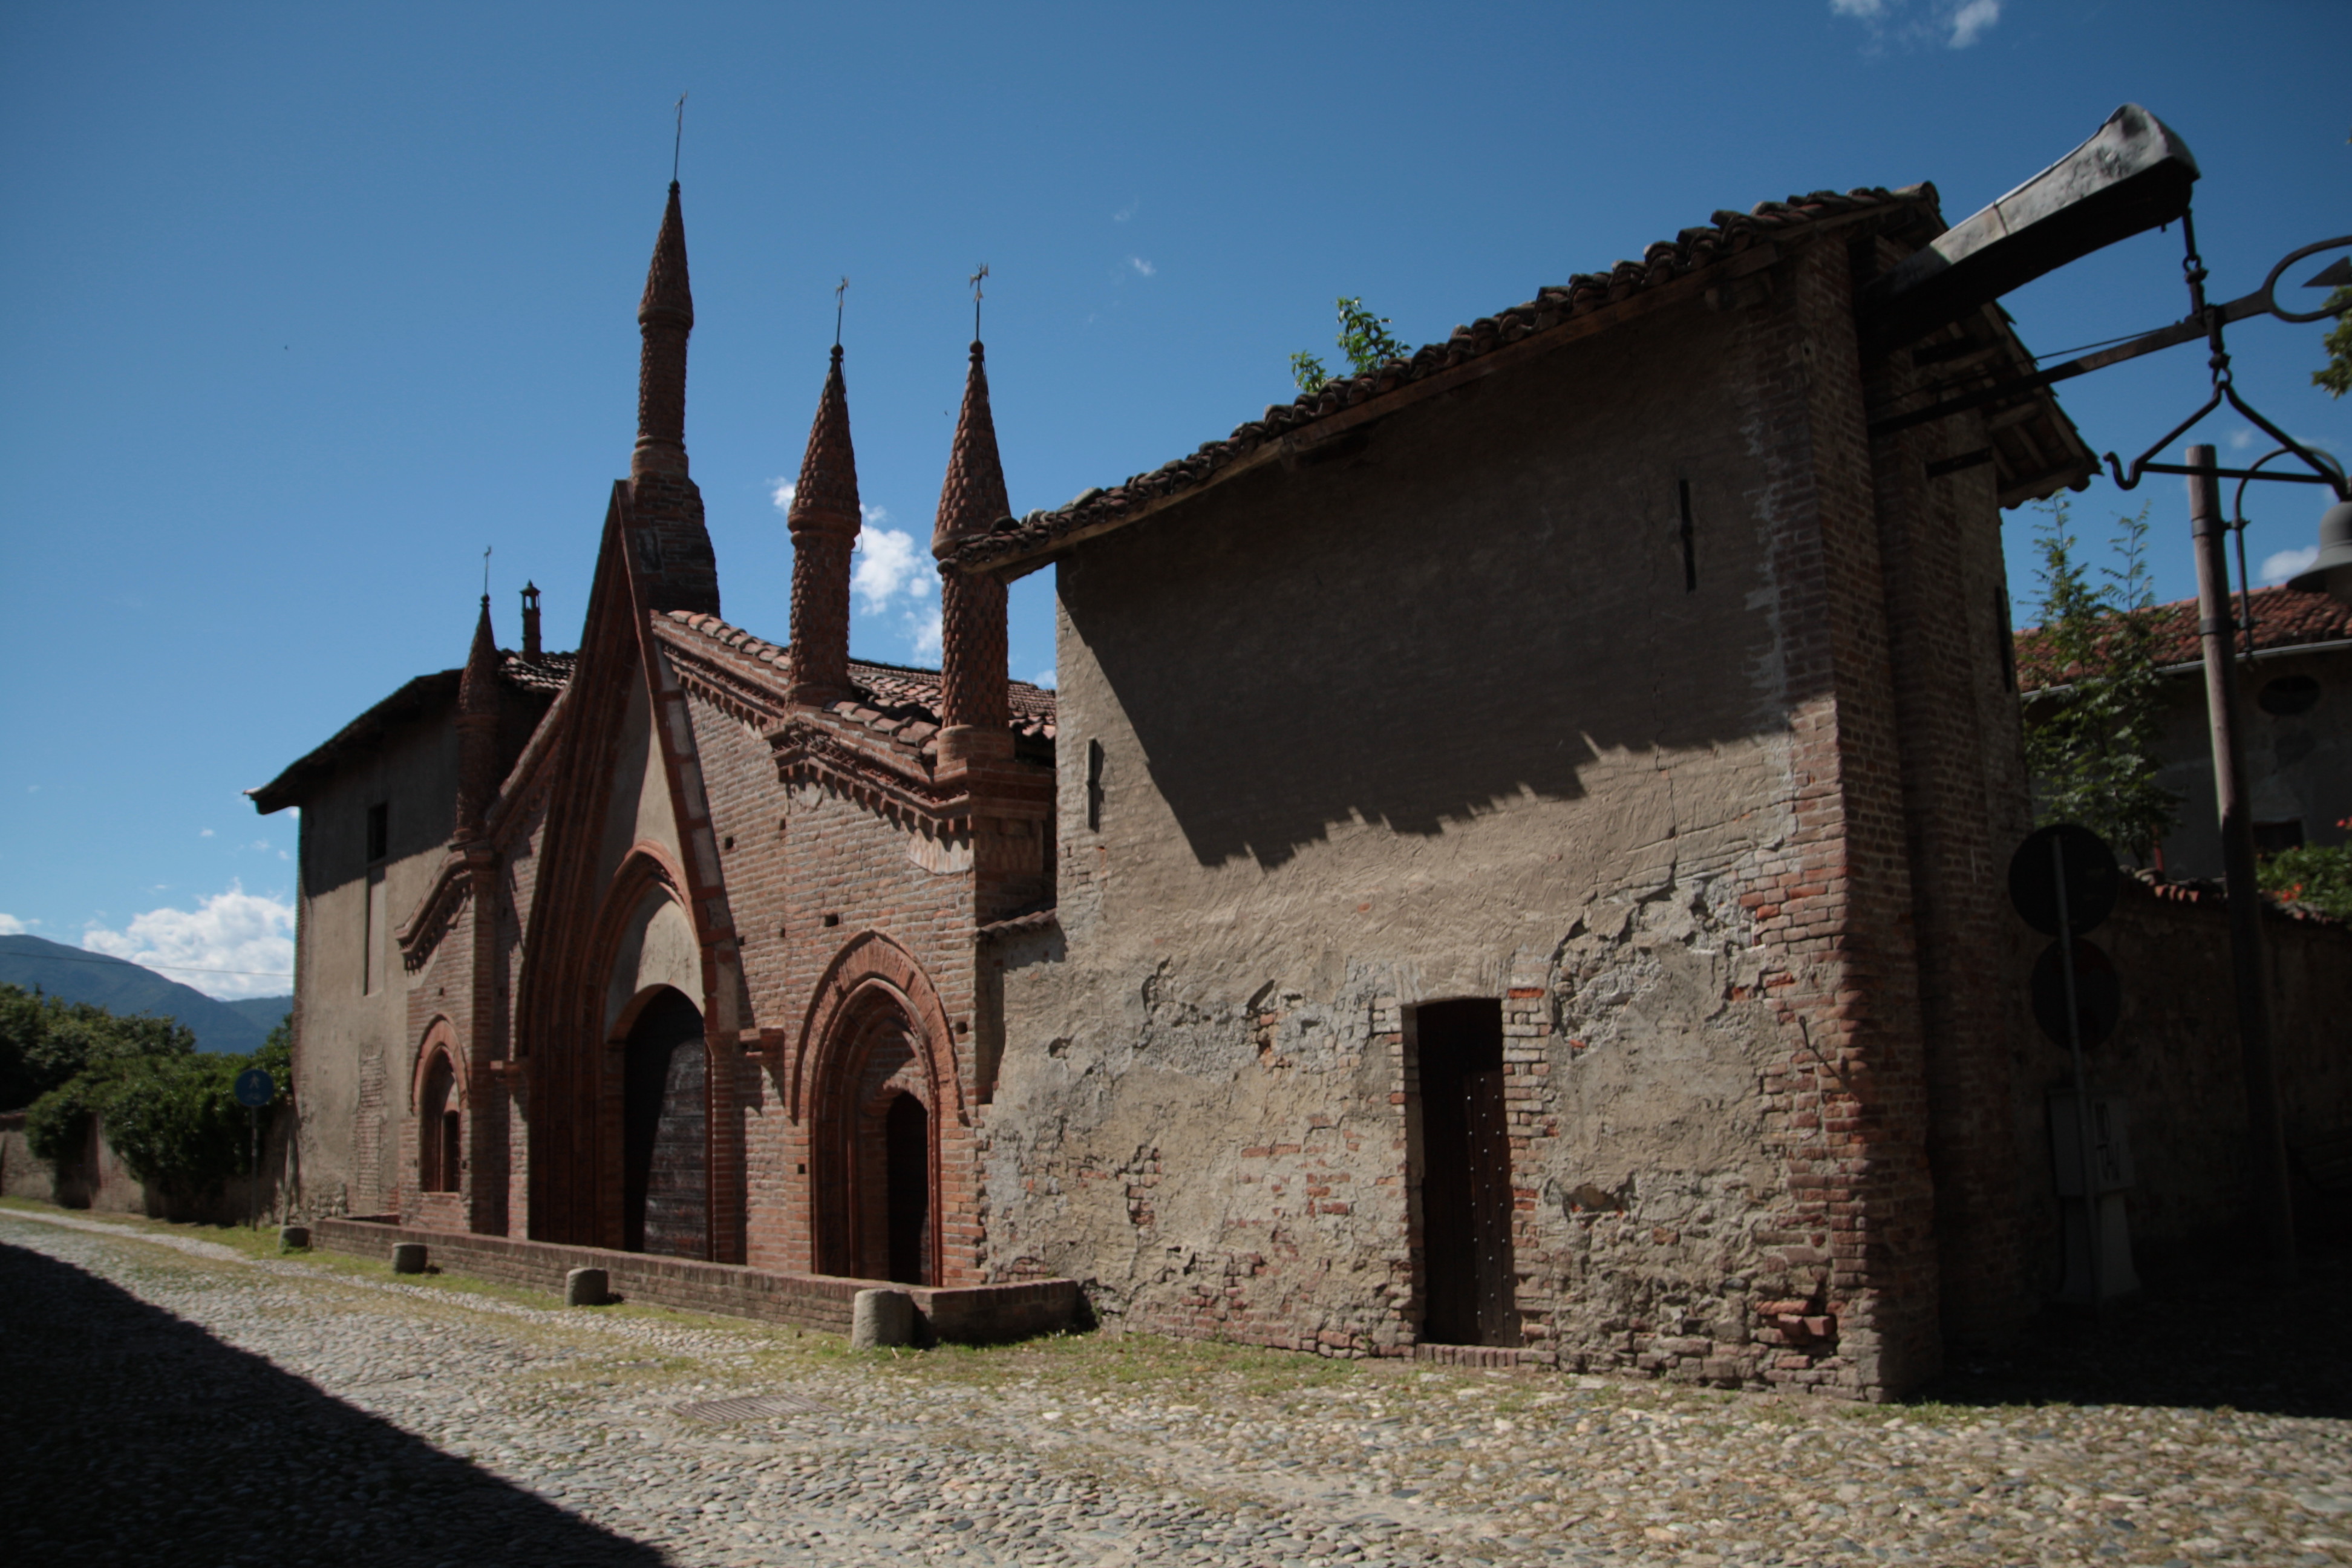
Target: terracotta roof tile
{"points": [[893, 700], [1727, 235], [2282, 618]]}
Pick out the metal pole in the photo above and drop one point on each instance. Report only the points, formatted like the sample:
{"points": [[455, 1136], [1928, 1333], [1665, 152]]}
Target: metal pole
{"points": [[2273, 1205], [2089, 1158], [253, 1172]]}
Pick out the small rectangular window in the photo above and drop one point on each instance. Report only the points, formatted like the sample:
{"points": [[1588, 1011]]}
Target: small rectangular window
{"points": [[379, 831]]}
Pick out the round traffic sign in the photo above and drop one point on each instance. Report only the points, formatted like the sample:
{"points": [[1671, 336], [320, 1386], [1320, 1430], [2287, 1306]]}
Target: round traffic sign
{"points": [[2091, 877], [256, 1087], [2098, 994]]}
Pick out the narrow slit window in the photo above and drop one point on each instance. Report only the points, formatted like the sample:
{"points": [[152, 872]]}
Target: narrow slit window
{"points": [[1690, 543], [1094, 785], [379, 831]]}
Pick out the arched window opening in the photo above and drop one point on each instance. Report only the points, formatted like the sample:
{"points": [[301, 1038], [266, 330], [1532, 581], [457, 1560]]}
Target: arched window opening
{"points": [[907, 1142], [438, 1130]]}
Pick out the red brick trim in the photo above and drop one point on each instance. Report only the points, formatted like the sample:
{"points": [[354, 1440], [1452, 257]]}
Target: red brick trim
{"points": [[868, 962], [439, 1036]]}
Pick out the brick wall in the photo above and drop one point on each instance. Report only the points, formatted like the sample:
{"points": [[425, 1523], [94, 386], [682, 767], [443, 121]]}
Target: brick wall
{"points": [[2175, 1058], [969, 1315]]}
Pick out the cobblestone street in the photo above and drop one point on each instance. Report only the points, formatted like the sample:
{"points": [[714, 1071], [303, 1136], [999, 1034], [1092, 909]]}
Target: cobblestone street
{"points": [[165, 1399]]}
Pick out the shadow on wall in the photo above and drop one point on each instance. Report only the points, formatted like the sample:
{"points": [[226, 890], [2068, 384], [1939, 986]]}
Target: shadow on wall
{"points": [[1460, 612], [128, 1435], [2208, 1330]]}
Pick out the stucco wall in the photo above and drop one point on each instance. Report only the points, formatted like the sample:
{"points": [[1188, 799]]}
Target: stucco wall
{"points": [[352, 1053], [2299, 767], [1439, 717]]}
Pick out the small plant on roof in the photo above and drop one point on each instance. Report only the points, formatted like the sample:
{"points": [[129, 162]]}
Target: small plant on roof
{"points": [[2091, 742], [1363, 337]]}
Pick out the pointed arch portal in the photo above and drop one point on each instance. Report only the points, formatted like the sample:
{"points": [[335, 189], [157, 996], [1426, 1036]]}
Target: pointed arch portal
{"points": [[666, 1129]]}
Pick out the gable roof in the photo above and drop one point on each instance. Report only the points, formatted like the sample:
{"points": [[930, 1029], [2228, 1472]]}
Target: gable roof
{"points": [[425, 695], [896, 701], [2035, 449], [2282, 618]]}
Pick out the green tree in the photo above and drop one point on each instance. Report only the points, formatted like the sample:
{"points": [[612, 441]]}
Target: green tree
{"points": [[1363, 338], [2336, 376], [2091, 741], [170, 1112], [44, 1042]]}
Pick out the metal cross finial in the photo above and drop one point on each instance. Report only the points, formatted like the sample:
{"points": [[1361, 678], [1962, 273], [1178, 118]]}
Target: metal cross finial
{"points": [[486, 571], [839, 289], [975, 281], [678, 142]]}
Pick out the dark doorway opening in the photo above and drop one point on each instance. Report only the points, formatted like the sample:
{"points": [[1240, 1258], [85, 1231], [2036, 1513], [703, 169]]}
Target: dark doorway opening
{"points": [[1471, 1292], [664, 1132], [436, 1126], [906, 1138]]}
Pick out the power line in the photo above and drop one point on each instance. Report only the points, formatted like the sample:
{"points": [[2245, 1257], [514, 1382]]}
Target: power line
{"points": [[178, 968]]}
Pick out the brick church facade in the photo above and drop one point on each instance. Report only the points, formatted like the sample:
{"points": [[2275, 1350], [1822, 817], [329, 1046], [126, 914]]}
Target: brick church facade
{"points": [[1513, 862]]}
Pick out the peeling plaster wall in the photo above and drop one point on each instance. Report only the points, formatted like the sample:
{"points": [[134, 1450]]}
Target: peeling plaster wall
{"points": [[352, 1053], [1321, 803]]}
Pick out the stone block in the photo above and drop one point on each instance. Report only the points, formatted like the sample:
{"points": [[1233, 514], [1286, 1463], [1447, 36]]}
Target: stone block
{"points": [[881, 1317], [408, 1258], [587, 1287]]}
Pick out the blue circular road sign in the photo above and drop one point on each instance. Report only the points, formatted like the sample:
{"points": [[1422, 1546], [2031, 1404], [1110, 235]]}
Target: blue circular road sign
{"points": [[256, 1087]]}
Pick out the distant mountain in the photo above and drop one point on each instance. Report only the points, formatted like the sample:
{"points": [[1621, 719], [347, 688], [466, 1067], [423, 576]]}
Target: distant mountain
{"points": [[124, 988], [267, 1011]]}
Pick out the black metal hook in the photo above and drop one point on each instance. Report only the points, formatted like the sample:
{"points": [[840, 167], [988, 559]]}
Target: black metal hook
{"points": [[2224, 385]]}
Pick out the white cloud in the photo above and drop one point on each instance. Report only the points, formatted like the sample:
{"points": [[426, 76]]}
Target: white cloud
{"points": [[205, 832], [1954, 23], [2288, 563], [781, 493], [1142, 266], [923, 632], [2240, 439], [1043, 677], [886, 564], [11, 926], [1126, 212], [235, 945], [1971, 22]]}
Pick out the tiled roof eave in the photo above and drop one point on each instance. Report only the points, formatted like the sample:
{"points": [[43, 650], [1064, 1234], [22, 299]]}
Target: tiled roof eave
{"points": [[1670, 273]]}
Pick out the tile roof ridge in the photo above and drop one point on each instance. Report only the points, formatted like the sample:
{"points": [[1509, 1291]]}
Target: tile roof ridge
{"points": [[1726, 236]]}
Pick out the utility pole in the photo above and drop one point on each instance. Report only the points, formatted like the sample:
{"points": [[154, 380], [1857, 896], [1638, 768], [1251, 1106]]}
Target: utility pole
{"points": [[2273, 1204]]}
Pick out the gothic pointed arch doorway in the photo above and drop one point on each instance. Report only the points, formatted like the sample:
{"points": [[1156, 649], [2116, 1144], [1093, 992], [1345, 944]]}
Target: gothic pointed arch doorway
{"points": [[875, 1145], [665, 1129]]}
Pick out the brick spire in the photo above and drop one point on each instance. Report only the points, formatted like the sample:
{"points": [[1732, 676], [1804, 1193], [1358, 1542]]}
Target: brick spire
{"points": [[824, 521], [973, 682], [665, 318], [972, 500], [478, 728]]}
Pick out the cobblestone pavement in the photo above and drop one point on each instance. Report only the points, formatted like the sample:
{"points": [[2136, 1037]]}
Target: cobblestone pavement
{"points": [[194, 1403]]}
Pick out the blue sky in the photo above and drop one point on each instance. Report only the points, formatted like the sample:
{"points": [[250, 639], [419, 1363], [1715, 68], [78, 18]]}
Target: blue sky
{"points": [[311, 303]]}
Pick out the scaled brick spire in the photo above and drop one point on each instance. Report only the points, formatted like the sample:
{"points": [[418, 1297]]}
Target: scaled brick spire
{"points": [[825, 520], [665, 317], [973, 679], [972, 500], [478, 728]]}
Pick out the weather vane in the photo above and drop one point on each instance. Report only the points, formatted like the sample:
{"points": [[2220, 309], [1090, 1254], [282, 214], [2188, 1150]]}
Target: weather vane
{"points": [[678, 142], [838, 291], [975, 280]]}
